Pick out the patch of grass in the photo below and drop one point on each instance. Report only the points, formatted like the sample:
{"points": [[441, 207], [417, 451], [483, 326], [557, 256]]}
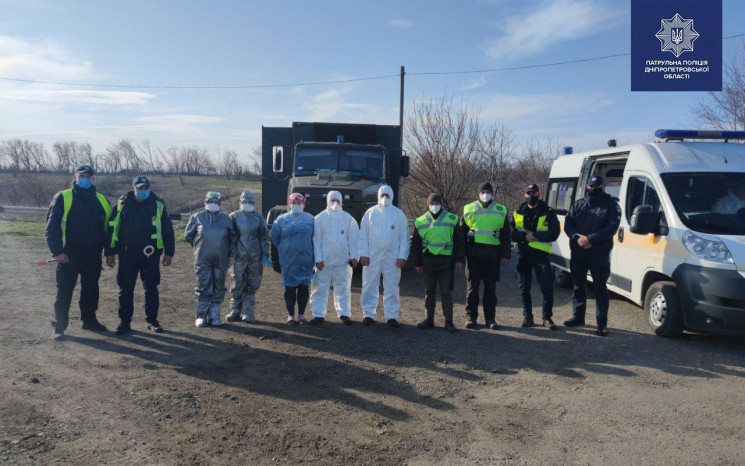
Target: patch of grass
{"points": [[12, 225]]}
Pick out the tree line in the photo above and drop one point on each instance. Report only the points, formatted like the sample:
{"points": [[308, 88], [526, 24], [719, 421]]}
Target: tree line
{"points": [[125, 156]]}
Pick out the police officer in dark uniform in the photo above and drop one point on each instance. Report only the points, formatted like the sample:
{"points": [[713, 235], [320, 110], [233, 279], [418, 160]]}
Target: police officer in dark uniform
{"points": [[437, 248], [140, 231], [591, 224], [487, 233], [76, 231], [534, 228]]}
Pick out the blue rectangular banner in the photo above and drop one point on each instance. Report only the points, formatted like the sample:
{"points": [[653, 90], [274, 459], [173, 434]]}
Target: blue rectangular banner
{"points": [[676, 45]]}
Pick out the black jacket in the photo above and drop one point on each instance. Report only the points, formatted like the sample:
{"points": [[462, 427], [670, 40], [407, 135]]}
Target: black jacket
{"points": [[136, 225], [597, 218], [487, 251], [458, 245], [530, 223], [85, 221]]}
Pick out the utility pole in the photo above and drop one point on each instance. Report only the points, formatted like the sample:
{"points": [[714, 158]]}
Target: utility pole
{"points": [[401, 108]]}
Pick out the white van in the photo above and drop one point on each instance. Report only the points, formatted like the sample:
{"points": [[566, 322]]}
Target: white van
{"points": [[680, 249]]}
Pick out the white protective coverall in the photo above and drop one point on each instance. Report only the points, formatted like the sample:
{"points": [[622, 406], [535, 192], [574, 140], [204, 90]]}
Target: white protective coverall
{"points": [[335, 237], [384, 238]]}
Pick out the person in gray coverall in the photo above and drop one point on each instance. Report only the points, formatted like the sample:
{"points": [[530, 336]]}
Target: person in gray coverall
{"points": [[210, 232], [250, 234]]}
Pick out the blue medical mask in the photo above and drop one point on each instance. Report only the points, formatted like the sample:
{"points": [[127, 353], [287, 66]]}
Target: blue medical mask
{"points": [[142, 194], [84, 183]]}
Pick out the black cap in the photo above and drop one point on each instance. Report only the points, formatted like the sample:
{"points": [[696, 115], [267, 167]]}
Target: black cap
{"points": [[140, 180], [595, 181], [486, 186], [434, 197], [86, 169], [532, 187]]}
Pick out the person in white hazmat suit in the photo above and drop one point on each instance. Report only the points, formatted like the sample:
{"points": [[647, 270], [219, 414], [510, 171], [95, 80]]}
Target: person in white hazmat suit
{"points": [[210, 232], [335, 236], [383, 248], [251, 236]]}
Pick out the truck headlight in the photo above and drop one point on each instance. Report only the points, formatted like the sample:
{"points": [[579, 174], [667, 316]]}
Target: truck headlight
{"points": [[705, 249]]}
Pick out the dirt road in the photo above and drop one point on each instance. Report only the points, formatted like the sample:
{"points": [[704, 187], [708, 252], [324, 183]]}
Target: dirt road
{"points": [[247, 394]]}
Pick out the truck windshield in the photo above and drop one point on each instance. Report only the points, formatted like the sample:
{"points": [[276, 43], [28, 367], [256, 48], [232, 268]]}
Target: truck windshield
{"points": [[709, 202], [366, 163]]}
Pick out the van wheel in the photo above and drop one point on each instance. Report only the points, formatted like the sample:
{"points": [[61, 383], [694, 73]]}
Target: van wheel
{"points": [[562, 278], [662, 306]]}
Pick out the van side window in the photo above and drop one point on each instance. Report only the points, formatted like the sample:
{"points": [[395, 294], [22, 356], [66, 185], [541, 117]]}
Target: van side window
{"points": [[561, 194], [640, 191]]}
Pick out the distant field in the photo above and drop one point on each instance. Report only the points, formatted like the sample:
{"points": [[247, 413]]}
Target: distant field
{"points": [[35, 189]]}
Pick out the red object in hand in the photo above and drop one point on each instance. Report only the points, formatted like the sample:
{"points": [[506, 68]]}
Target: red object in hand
{"points": [[41, 263]]}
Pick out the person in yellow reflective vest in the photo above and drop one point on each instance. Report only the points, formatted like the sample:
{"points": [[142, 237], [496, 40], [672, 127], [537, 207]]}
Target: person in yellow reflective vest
{"points": [[76, 232], [534, 227], [437, 248], [139, 220], [487, 233]]}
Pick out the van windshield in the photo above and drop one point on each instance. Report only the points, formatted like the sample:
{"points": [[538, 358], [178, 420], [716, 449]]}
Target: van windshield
{"points": [[709, 202]]}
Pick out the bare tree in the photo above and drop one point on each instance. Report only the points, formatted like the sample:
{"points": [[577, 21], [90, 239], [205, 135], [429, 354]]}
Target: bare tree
{"points": [[495, 155], [70, 155], [725, 110], [231, 168], [195, 160], [149, 157], [442, 141], [255, 161]]}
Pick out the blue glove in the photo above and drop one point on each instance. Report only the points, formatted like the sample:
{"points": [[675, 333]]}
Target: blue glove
{"points": [[266, 261]]}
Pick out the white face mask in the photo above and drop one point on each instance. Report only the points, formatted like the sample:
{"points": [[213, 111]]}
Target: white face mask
{"points": [[385, 201], [247, 207], [485, 197], [212, 207], [434, 208], [334, 206], [296, 208]]}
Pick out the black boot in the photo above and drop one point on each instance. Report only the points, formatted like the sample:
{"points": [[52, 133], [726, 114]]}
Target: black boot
{"points": [[316, 320], [393, 323], [528, 321], [550, 324], [124, 327], [94, 325], [425, 324], [450, 327], [574, 322], [154, 325]]}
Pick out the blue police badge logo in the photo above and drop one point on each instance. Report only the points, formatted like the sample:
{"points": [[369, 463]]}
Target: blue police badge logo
{"points": [[393, 227], [677, 35], [342, 232]]}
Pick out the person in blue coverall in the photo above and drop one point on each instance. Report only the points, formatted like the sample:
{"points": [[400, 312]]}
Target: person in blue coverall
{"points": [[292, 235]]}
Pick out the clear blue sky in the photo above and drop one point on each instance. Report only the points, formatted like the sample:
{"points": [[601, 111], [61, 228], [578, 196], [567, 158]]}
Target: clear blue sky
{"points": [[226, 43]]}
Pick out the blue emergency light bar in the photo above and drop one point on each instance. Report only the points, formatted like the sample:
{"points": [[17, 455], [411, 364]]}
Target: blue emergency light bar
{"points": [[680, 134]]}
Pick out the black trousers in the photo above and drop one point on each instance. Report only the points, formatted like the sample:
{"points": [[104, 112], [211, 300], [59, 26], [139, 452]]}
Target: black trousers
{"points": [[296, 295], [598, 264], [86, 262], [481, 271], [132, 262], [438, 271], [526, 265]]}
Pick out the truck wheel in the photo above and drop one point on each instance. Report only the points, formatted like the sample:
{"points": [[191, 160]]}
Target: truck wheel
{"points": [[562, 278], [662, 307]]}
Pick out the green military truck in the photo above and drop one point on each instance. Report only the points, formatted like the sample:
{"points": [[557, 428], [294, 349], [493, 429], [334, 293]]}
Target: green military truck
{"points": [[315, 158]]}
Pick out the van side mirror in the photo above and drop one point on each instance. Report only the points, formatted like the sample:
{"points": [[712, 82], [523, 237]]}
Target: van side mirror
{"points": [[278, 159], [405, 165], [644, 220]]}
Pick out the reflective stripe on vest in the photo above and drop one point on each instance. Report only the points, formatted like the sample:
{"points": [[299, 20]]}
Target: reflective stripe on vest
{"points": [[485, 223], [437, 234], [67, 205], [157, 236], [542, 226]]}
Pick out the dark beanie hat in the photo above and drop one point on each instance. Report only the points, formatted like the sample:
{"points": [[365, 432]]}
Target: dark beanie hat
{"points": [[434, 197], [486, 186]]}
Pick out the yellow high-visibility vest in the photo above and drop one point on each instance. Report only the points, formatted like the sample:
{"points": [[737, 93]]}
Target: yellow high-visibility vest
{"points": [[485, 223], [542, 226], [437, 234], [67, 205], [157, 236]]}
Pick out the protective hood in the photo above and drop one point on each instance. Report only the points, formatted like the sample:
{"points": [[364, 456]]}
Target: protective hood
{"points": [[331, 196], [247, 195], [386, 189]]}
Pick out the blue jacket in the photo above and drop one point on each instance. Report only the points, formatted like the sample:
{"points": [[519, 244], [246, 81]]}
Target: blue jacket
{"points": [[597, 218]]}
